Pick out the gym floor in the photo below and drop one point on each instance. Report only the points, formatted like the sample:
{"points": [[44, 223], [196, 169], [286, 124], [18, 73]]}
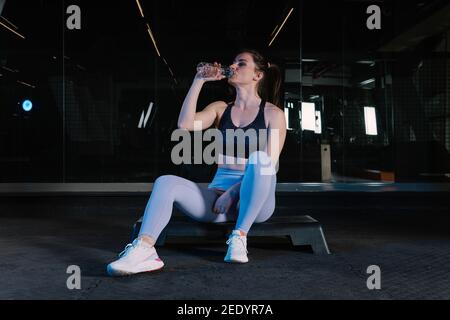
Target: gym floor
{"points": [[407, 236]]}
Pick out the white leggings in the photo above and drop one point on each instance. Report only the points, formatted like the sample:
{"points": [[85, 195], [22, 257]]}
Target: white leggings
{"points": [[257, 199]]}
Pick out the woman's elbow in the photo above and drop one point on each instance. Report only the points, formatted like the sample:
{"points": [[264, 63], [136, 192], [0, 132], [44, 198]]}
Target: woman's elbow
{"points": [[182, 125]]}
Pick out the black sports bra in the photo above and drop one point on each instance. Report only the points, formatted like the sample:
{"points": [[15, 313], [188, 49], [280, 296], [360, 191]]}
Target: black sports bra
{"points": [[253, 138]]}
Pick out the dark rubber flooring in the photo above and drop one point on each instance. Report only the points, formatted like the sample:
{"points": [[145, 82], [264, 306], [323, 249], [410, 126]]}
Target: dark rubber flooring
{"points": [[407, 238]]}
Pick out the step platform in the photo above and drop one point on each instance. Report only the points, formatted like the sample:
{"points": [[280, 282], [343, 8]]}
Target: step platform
{"points": [[302, 230]]}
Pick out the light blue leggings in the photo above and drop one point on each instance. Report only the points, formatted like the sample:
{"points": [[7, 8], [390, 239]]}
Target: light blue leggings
{"points": [[257, 199]]}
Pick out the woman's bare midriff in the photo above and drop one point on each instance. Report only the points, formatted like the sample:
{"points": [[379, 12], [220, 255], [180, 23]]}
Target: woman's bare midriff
{"points": [[232, 163]]}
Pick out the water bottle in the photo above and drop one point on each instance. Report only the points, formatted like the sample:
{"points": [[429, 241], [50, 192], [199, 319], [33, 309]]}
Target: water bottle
{"points": [[208, 70]]}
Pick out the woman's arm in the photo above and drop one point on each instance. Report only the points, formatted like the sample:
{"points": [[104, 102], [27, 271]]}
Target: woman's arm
{"points": [[277, 135], [188, 112], [234, 190]]}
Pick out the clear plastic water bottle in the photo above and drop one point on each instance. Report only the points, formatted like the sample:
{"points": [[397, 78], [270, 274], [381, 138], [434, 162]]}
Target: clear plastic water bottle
{"points": [[208, 70]]}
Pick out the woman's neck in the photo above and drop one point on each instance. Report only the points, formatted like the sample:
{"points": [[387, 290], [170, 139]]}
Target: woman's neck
{"points": [[246, 97]]}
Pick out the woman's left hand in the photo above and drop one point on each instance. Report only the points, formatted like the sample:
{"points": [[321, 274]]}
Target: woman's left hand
{"points": [[224, 203]]}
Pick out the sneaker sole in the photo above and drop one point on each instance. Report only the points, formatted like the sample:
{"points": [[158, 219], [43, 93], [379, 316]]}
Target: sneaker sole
{"points": [[120, 273], [235, 261]]}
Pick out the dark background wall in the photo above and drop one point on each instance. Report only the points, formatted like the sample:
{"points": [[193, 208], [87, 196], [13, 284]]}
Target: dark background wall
{"points": [[90, 87]]}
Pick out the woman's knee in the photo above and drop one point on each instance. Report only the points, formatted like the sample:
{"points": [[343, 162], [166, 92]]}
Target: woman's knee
{"points": [[265, 216], [261, 161], [167, 179], [259, 156]]}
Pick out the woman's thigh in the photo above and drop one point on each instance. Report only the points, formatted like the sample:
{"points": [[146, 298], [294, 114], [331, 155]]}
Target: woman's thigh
{"points": [[196, 201]]}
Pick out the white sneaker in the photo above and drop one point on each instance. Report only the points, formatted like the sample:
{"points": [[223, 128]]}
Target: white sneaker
{"points": [[237, 248], [137, 257]]}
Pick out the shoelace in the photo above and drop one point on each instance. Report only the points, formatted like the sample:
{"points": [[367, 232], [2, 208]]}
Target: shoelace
{"points": [[240, 238], [127, 247]]}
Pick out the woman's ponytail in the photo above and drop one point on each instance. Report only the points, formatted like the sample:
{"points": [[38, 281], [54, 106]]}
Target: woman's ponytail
{"points": [[270, 86]]}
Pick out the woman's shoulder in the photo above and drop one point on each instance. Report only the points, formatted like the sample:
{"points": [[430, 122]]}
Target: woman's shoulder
{"points": [[273, 113], [219, 107], [218, 104], [272, 109]]}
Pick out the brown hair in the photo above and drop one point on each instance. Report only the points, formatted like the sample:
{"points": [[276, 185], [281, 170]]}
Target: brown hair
{"points": [[269, 86]]}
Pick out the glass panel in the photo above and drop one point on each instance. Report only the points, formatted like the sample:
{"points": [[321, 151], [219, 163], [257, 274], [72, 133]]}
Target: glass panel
{"points": [[91, 91], [404, 77], [31, 130], [127, 74]]}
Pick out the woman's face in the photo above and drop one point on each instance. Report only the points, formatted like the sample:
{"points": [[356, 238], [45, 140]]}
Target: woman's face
{"points": [[244, 70]]}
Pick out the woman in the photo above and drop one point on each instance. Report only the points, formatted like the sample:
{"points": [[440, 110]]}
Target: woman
{"points": [[241, 190]]}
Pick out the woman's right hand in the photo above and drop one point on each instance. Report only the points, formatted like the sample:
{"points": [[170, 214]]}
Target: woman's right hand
{"points": [[218, 76], [224, 203]]}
